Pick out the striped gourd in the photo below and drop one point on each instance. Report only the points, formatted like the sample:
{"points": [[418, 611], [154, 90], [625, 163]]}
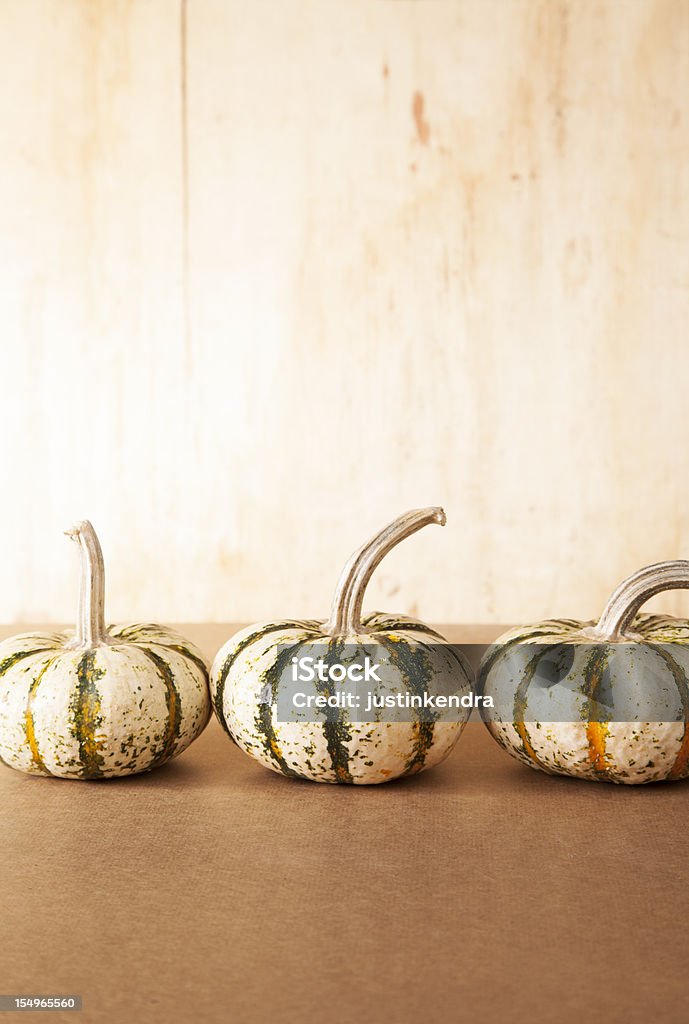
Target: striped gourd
{"points": [[625, 666], [104, 702], [251, 664]]}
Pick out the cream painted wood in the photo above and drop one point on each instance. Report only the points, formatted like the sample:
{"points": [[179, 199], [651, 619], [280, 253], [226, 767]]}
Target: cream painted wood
{"points": [[271, 271]]}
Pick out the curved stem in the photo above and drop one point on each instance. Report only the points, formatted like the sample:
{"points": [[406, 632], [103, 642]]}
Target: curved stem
{"points": [[90, 631], [633, 592], [345, 617]]}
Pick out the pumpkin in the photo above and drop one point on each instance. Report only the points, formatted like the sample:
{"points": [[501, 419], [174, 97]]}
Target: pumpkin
{"points": [[105, 701], [247, 672], [619, 687]]}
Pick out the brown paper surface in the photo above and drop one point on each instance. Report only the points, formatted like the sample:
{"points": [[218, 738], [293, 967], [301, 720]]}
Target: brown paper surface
{"points": [[214, 890]]}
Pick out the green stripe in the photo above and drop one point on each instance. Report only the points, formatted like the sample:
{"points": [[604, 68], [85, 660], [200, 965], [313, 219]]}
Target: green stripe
{"points": [[422, 745], [683, 689], [593, 674], [86, 718], [415, 668], [498, 649], [29, 725], [655, 623], [263, 720], [174, 707], [273, 627], [399, 625], [12, 659], [138, 632], [194, 658], [458, 656], [337, 728], [678, 676], [392, 623], [338, 732], [651, 621], [521, 697], [153, 634], [593, 677]]}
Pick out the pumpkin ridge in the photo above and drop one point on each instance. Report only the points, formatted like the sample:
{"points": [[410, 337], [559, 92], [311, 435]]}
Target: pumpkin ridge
{"points": [[174, 707], [186, 653], [337, 734], [219, 695], [596, 732], [402, 658], [132, 634], [263, 719], [596, 736], [12, 659], [29, 730], [497, 649], [86, 714], [422, 744], [520, 699], [336, 728], [392, 623], [453, 651], [679, 765]]}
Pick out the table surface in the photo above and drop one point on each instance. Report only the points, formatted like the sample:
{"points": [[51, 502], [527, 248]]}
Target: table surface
{"points": [[214, 890]]}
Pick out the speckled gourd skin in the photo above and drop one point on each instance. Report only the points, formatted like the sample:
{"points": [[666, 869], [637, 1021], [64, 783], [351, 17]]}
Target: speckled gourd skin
{"points": [[103, 701], [343, 752], [118, 708], [630, 753]]}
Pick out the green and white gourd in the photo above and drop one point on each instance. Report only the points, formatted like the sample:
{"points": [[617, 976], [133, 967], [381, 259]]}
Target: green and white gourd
{"points": [[104, 702], [340, 750], [638, 663]]}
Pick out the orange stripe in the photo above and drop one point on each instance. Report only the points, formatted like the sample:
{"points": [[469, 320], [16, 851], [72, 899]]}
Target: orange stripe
{"points": [[36, 758], [526, 743], [29, 727], [596, 734]]}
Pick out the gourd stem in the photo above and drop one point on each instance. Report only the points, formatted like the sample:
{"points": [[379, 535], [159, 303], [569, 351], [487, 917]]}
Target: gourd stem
{"points": [[633, 592], [90, 631], [345, 617]]}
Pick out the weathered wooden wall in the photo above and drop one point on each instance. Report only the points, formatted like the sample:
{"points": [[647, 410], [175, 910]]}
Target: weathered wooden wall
{"points": [[272, 271]]}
